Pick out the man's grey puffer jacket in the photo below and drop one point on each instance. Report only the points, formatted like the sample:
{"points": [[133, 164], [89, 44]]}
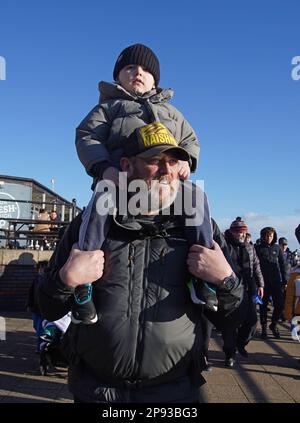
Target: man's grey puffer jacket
{"points": [[100, 136]]}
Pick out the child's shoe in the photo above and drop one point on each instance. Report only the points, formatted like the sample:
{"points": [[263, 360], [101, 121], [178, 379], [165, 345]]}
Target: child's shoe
{"points": [[84, 310], [203, 293]]}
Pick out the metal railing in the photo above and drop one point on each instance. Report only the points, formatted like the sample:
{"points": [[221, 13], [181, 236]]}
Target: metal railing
{"points": [[34, 233], [31, 233]]}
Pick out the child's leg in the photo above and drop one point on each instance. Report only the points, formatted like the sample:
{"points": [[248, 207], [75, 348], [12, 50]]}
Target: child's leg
{"points": [[63, 323], [198, 230], [95, 223], [199, 227], [92, 233]]}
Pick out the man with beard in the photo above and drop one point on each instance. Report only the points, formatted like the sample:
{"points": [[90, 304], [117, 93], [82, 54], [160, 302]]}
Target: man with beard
{"points": [[240, 327], [97, 217], [147, 342]]}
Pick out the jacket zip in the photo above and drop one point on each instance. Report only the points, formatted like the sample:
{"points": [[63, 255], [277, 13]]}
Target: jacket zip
{"points": [[162, 261], [150, 110], [130, 265], [139, 348]]}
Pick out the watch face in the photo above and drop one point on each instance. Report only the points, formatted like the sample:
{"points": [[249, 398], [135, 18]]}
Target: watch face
{"points": [[229, 282]]}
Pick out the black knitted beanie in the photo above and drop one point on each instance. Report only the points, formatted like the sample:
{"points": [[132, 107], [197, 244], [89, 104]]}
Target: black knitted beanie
{"points": [[138, 54]]}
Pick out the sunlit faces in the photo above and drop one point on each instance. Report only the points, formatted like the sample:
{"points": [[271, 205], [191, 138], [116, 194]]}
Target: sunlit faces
{"points": [[136, 79]]}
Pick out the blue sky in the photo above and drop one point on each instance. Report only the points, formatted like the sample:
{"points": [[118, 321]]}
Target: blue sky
{"points": [[229, 63]]}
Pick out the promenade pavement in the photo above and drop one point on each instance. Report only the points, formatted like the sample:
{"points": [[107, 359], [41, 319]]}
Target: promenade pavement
{"points": [[271, 374]]}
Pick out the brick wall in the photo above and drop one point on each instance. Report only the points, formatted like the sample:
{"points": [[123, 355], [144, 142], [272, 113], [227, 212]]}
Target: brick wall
{"points": [[17, 270]]}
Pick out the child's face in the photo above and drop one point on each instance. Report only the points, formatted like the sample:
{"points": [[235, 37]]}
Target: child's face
{"points": [[136, 79]]}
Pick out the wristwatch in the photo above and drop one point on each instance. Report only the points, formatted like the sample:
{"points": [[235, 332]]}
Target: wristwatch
{"points": [[229, 282]]}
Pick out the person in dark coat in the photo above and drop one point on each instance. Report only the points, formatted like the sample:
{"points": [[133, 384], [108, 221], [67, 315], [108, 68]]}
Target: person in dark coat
{"points": [[288, 255], [237, 334], [273, 270], [210, 319]]}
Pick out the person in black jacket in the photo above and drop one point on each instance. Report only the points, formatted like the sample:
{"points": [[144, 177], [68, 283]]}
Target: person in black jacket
{"points": [[273, 270], [146, 344], [237, 334], [288, 256], [210, 319]]}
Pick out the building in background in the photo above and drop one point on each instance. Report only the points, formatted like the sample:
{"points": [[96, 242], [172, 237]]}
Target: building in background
{"points": [[20, 202], [22, 198]]}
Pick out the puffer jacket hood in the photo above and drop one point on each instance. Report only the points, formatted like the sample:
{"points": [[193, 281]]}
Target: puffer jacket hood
{"points": [[265, 230], [111, 91]]}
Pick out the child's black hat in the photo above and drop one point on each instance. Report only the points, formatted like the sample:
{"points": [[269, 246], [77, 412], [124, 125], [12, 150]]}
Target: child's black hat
{"points": [[138, 54]]}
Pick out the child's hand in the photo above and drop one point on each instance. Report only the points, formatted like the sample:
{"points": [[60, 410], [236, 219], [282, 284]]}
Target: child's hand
{"points": [[184, 170], [112, 174]]}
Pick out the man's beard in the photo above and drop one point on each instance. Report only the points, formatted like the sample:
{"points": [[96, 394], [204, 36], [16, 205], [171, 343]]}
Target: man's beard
{"points": [[239, 239], [158, 194]]}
